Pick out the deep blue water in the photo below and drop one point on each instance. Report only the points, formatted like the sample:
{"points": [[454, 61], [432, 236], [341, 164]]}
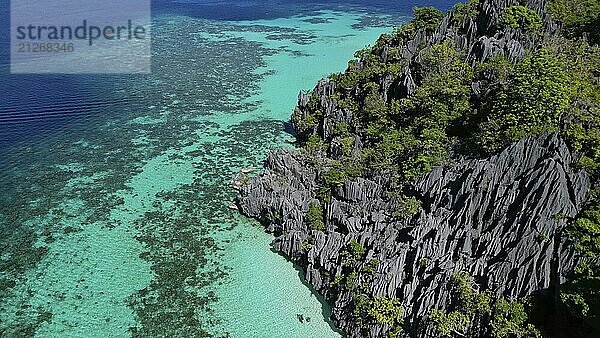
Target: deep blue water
{"points": [[34, 105]]}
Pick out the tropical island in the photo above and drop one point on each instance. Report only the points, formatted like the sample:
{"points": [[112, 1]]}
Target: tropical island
{"points": [[447, 183]]}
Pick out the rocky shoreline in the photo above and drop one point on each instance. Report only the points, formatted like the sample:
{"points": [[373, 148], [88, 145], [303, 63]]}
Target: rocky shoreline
{"points": [[501, 220], [512, 209]]}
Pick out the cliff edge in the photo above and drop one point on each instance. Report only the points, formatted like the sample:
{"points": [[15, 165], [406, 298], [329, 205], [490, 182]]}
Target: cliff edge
{"points": [[444, 185]]}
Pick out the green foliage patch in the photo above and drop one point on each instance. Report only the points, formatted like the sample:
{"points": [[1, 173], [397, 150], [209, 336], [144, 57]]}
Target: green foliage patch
{"points": [[426, 18], [468, 10], [536, 98], [314, 217], [578, 17], [521, 17], [473, 312]]}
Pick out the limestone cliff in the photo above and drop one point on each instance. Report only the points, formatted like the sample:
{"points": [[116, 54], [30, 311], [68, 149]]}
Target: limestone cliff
{"points": [[500, 218], [495, 218]]}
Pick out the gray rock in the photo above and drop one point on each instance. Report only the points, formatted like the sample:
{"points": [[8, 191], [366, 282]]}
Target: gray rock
{"points": [[493, 218]]}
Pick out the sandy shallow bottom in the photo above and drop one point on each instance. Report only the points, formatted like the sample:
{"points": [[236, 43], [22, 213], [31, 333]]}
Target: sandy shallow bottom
{"points": [[123, 228]]}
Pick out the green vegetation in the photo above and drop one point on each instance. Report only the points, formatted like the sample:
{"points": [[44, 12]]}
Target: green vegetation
{"points": [[351, 281], [314, 145], [352, 255], [380, 310], [307, 244], [472, 312], [560, 216], [555, 88], [427, 18], [509, 319], [371, 267], [442, 97], [449, 324], [578, 17], [581, 296], [387, 311], [521, 17], [412, 135], [586, 231], [536, 98], [245, 180], [307, 124], [335, 177], [314, 217], [356, 248], [406, 207], [341, 129], [468, 10]]}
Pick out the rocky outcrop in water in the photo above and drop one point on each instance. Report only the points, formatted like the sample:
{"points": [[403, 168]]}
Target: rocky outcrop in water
{"points": [[502, 219]]}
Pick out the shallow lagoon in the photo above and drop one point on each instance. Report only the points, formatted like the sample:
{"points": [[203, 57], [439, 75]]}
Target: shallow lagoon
{"points": [[115, 222]]}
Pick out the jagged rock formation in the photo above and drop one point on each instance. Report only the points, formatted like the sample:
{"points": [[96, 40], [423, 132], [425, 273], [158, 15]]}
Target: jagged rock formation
{"points": [[482, 37], [501, 219]]}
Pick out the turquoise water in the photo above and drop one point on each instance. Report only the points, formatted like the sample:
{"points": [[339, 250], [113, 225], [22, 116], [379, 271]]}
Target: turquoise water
{"points": [[124, 228]]}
